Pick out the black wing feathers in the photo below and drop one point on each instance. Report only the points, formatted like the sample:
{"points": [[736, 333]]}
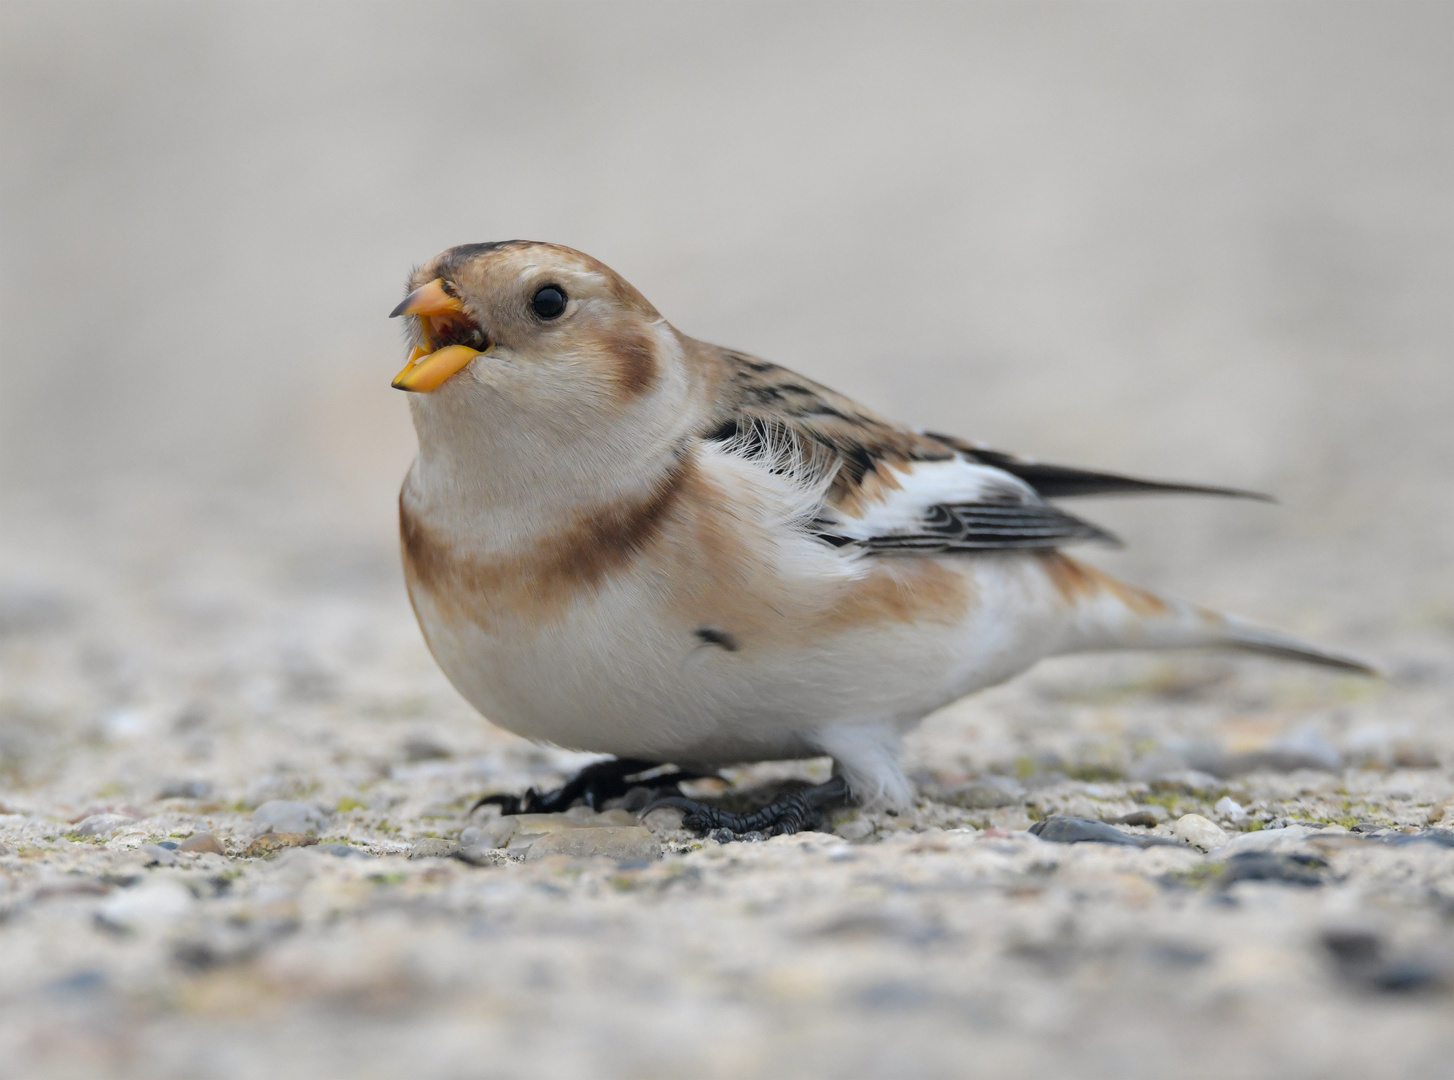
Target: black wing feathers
{"points": [[1066, 481], [987, 526]]}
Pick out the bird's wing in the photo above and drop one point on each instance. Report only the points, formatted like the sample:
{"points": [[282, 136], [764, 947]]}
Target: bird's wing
{"points": [[894, 489], [1066, 481]]}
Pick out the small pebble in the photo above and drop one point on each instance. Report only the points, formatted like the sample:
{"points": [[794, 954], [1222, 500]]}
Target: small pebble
{"points": [[1273, 866], [856, 829], [492, 834], [103, 824], [987, 793], [424, 748], [185, 789], [290, 817], [477, 855], [345, 851], [1352, 946], [1442, 837], [1441, 811], [1415, 757], [202, 841], [664, 819], [1144, 816], [1230, 809], [1199, 832], [1186, 782], [156, 855], [269, 844], [5, 848], [637, 798], [1077, 830], [528, 828], [1410, 975], [433, 847], [150, 906], [619, 842]]}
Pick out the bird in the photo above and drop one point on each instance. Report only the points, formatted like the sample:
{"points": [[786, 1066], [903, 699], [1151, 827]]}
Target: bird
{"points": [[620, 539]]}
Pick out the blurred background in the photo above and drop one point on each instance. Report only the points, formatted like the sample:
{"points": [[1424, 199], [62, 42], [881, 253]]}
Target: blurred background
{"points": [[1204, 241]]}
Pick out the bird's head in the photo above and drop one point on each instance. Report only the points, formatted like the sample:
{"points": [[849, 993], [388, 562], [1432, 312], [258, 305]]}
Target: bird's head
{"points": [[534, 324]]}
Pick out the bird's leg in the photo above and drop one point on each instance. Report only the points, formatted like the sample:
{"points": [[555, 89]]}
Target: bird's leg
{"points": [[595, 785], [788, 813]]}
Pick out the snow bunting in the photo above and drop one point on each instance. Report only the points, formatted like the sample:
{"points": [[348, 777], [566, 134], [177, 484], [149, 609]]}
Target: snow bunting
{"points": [[619, 539]]}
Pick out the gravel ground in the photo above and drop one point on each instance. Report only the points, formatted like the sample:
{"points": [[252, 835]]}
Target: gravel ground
{"points": [[232, 690]]}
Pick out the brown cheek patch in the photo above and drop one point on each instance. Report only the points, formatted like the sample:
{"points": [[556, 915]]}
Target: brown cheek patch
{"points": [[540, 584], [631, 352], [1075, 581]]}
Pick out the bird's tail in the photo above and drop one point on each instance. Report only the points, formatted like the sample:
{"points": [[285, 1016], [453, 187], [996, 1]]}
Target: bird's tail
{"points": [[1110, 614]]}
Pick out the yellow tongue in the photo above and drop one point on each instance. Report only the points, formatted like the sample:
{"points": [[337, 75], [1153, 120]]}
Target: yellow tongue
{"points": [[426, 371]]}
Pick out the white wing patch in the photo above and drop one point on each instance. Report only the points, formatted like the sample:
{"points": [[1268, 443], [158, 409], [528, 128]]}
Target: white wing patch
{"points": [[954, 505], [923, 485]]}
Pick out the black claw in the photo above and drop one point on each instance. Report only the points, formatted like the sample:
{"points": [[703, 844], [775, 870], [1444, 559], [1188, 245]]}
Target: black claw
{"points": [[787, 814], [595, 785]]}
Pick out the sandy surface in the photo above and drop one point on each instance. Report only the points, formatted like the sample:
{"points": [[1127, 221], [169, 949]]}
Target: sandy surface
{"points": [[945, 943], [1187, 240]]}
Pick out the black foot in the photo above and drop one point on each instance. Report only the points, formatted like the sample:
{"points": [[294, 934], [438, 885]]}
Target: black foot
{"points": [[786, 814], [595, 785]]}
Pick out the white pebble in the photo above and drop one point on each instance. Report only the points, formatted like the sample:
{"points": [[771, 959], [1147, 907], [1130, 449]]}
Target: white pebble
{"points": [[1199, 832], [1227, 808], [151, 906]]}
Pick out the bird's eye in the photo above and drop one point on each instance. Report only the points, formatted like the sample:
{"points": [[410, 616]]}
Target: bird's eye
{"points": [[548, 301]]}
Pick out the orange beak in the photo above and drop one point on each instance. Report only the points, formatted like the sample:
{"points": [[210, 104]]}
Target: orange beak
{"points": [[428, 299], [427, 370]]}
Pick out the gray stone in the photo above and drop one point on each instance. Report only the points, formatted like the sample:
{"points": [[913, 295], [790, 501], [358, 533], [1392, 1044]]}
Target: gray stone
{"points": [[423, 748], [1186, 782], [433, 847], [1076, 830], [986, 793], [636, 799], [346, 851], [185, 789], [619, 842], [664, 819], [1409, 975], [156, 855], [1144, 816], [103, 824], [202, 841], [290, 817], [1442, 837], [492, 834], [476, 855], [1273, 866]]}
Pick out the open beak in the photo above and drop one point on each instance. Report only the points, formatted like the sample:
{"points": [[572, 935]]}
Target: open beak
{"points": [[440, 315], [428, 299], [427, 371]]}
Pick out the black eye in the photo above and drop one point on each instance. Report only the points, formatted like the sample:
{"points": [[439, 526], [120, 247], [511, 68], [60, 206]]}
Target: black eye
{"points": [[548, 301]]}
